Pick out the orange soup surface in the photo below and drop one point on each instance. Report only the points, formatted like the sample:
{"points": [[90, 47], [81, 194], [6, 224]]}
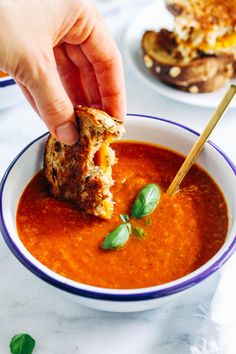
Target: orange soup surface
{"points": [[182, 233], [2, 74]]}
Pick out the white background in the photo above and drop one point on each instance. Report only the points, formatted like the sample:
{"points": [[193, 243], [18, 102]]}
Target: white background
{"points": [[61, 327]]}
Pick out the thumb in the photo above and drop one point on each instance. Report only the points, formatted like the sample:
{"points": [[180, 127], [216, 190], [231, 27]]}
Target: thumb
{"points": [[54, 106]]}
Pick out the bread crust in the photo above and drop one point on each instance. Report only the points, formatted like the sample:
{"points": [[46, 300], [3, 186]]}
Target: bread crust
{"points": [[70, 170]]}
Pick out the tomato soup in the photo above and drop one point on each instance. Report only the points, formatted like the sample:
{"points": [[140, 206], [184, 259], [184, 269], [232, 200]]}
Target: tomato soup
{"points": [[181, 234], [2, 74]]}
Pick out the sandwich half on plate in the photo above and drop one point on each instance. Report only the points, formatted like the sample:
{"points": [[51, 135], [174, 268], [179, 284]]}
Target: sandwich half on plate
{"points": [[82, 173], [199, 54]]}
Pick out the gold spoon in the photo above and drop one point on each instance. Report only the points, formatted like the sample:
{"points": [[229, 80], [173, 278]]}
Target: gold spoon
{"points": [[197, 147]]}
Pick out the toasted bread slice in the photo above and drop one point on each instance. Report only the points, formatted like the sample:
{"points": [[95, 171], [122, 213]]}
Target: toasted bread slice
{"points": [[82, 173], [200, 86], [234, 63], [205, 73]]}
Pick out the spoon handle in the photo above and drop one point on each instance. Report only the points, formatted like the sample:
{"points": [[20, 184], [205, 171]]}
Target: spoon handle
{"points": [[197, 147]]}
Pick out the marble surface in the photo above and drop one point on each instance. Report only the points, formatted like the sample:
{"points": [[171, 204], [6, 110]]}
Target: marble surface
{"points": [[62, 327]]}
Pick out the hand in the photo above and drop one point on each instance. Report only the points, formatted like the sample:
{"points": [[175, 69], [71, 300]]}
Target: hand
{"points": [[61, 53]]}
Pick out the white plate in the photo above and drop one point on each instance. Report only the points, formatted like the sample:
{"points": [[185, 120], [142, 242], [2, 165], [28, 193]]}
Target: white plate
{"points": [[155, 17]]}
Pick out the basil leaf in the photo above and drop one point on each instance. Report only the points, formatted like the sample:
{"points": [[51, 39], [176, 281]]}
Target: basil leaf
{"points": [[139, 232], [124, 217], [22, 343], [117, 238], [148, 222], [146, 201]]}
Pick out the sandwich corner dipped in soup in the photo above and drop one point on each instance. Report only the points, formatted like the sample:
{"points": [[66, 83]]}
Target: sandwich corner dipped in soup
{"points": [[81, 173], [116, 227]]}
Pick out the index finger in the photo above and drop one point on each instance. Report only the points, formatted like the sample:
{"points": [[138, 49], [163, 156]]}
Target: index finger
{"points": [[102, 52]]}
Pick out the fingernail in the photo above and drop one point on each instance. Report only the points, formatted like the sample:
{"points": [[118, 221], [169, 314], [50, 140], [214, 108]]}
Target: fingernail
{"points": [[67, 133]]}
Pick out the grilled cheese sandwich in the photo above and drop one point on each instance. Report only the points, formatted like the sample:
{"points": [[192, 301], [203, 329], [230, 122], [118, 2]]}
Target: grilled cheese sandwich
{"points": [[199, 55], [82, 173], [206, 25]]}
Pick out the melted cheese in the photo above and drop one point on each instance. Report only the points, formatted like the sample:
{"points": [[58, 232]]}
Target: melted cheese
{"points": [[2, 74], [102, 157], [224, 42], [103, 160], [108, 207], [227, 41]]}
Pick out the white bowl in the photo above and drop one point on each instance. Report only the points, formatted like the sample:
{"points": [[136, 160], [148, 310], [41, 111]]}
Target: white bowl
{"points": [[10, 93], [139, 128]]}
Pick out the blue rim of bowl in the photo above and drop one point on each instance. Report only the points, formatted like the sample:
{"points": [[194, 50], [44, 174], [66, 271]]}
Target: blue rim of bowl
{"points": [[145, 294], [6, 82]]}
